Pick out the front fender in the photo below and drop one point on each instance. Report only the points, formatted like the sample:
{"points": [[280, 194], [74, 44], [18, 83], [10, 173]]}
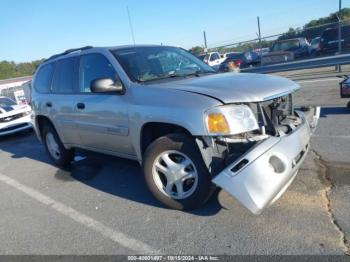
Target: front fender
{"points": [[167, 106]]}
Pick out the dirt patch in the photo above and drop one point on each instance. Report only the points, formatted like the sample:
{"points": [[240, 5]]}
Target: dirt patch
{"points": [[332, 175]]}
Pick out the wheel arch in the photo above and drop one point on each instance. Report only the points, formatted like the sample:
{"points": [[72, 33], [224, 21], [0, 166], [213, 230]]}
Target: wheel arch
{"points": [[40, 121], [150, 131]]}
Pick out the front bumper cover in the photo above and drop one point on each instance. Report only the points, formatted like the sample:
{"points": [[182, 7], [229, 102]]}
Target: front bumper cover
{"points": [[16, 125], [261, 176]]}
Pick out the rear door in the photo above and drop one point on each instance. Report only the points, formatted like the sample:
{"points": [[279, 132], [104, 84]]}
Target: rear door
{"points": [[103, 117], [63, 99]]}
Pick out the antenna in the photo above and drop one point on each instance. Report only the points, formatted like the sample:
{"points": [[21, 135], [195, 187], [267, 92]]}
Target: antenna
{"points": [[130, 24]]}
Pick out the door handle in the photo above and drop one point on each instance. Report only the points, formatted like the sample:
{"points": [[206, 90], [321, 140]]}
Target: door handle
{"points": [[48, 104], [80, 105]]}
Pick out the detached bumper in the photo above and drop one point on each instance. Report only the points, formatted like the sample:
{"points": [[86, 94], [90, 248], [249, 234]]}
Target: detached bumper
{"points": [[262, 175], [14, 126]]}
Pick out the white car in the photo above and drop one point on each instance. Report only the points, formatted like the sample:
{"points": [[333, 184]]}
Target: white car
{"points": [[13, 117], [212, 59]]}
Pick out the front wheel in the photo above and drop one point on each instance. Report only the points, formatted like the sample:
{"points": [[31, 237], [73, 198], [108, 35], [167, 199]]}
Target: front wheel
{"points": [[54, 147], [175, 172]]}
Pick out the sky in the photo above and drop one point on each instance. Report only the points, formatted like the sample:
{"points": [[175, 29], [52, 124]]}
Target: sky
{"points": [[35, 29]]}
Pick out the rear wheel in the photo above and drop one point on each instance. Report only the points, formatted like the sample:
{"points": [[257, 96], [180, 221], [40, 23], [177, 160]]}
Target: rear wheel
{"points": [[57, 152], [175, 172]]}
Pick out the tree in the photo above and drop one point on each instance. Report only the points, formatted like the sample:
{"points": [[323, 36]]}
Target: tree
{"points": [[9, 69], [315, 27], [197, 50]]}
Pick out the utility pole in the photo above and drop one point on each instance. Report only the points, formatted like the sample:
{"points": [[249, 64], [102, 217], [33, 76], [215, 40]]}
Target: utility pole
{"points": [[259, 36], [130, 24], [205, 41], [339, 28], [338, 67]]}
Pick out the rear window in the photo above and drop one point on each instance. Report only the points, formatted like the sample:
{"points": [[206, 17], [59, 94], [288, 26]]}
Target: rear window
{"points": [[63, 81], [286, 45], [234, 55], [330, 34], [201, 57], [42, 82]]}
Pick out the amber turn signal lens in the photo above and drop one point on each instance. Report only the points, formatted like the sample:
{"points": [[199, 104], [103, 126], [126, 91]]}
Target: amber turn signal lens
{"points": [[217, 124]]}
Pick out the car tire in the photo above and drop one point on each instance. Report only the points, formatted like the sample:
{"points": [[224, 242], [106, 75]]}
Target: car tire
{"points": [[61, 156], [191, 173]]}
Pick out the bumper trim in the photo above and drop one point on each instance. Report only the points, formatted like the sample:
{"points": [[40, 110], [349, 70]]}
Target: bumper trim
{"points": [[272, 166], [15, 129]]}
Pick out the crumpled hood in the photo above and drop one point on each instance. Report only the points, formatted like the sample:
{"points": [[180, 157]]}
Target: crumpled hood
{"points": [[236, 88]]}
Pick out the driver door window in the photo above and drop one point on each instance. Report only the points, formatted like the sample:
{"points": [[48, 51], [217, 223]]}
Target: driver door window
{"points": [[92, 67]]}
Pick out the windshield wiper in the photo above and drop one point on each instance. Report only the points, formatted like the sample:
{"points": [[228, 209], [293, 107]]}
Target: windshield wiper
{"points": [[199, 73], [174, 74]]}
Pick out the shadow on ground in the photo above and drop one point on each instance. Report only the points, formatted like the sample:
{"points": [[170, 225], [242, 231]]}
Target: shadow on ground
{"points": [[112, 175], [327, 111]]}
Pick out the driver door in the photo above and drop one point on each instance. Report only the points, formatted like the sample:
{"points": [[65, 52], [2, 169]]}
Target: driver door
{"points": [[103, 117]]}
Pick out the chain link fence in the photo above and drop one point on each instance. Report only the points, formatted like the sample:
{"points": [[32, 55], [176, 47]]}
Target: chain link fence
{"points": [[327, 31]]}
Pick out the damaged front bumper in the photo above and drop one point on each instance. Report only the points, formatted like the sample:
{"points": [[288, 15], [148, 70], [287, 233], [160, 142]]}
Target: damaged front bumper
{"points": [[261, 176]]}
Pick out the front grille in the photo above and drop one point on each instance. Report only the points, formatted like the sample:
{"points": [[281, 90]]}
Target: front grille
{"points": [[10, 118], [278, 108], [271, 113]]}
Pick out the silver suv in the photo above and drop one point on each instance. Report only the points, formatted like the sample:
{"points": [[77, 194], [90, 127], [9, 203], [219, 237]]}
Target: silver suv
{"points": [[189, 127]]}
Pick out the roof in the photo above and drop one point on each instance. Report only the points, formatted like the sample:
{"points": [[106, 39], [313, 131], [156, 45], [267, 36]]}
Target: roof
{"points": [[69, 52], [290, 39], [14, 80]]}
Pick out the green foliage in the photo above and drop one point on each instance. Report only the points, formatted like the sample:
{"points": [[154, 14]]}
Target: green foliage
{"points": [[11, 69], [315, 27], [197, 50], [310, 30], [332, 18]]}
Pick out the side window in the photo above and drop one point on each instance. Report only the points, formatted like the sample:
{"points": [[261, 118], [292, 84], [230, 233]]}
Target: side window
{"points": [[63, 80], [92, 67], [43, 78], [214, 56]]}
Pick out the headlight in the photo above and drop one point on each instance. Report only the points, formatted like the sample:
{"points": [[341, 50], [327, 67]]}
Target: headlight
{"points": [[26, 113], [230, 120]]}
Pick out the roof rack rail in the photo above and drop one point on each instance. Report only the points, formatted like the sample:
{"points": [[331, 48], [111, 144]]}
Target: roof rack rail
{"points": [[69, 51]]}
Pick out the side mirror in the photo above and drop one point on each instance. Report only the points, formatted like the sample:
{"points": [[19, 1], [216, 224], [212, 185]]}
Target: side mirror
{"points": [[106, 85]]}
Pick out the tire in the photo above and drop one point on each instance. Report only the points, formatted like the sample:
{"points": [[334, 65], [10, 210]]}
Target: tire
{"points": [[196, 189], [62, 157]]}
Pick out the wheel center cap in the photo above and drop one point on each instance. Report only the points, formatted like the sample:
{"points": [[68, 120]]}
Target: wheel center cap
{"points": [[176, 172]]}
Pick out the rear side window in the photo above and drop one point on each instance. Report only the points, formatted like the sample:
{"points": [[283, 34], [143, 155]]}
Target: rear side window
{"points": [[94, 66], [63, 81], [43, 79]]}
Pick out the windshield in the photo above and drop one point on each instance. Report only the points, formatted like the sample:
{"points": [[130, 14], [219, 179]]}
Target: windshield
{"points": [[4, 102], [144, 64], [315, 41], [285, 45]]}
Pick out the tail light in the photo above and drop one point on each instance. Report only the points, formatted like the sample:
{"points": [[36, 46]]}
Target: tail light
{"points": [[238, 62], [205, 61]]}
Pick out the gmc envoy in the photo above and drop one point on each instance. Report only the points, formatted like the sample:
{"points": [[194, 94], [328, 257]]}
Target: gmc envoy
{"points": [[190, 128]]}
